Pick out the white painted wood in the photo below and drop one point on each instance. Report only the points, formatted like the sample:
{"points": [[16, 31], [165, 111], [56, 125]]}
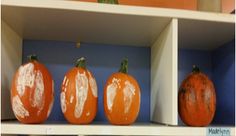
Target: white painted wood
{"points": [[104, 23], [102, 129], [164, 56], [85, 26], [205, 35], [120, 9], [11, 58], [111, 24]]}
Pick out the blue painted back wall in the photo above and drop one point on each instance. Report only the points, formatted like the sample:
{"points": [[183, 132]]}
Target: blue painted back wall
{"points": [[188, 57], [102, 61], [223, 62]]}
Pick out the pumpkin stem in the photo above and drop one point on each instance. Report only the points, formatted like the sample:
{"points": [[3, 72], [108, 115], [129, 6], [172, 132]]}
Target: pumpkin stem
{"points": [[124, 66], [32, 57], [80, 63], [108, 1], [195, 69]]}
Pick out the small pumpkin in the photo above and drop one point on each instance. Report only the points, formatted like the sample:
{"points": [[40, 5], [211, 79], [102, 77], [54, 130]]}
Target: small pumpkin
{"points": [[197, 99], [32, 92], [79, 94], [121, 97]]}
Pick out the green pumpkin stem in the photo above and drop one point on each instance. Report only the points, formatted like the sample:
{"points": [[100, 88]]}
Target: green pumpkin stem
{"points": [[81, 63], [108, 1], [195, 69], [124, 66], [32, 57]]}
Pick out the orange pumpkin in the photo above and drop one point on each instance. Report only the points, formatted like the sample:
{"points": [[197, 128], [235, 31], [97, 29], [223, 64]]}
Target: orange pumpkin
{"points": [[79, 94], [197, 99], [121, 97], [32, 92]]}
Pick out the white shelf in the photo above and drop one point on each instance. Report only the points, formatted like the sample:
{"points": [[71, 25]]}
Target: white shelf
{"points": [[113, 24], [118, 25], [120, 9], [13, 127]]}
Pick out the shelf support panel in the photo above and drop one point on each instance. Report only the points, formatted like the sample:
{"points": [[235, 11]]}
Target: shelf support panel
{"points": [[164, 57]]}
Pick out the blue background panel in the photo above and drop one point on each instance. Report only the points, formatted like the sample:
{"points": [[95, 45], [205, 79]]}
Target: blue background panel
{"points": [[102, 61], [187, 58], [223, 63]]}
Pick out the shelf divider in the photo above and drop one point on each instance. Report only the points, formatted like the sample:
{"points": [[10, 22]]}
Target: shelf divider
{"points": [[164, 56], [11, 53]]}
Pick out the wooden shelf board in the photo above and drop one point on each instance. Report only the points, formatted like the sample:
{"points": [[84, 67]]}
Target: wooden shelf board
{"points": [[110, 24], [63, 128], [121, 9]]}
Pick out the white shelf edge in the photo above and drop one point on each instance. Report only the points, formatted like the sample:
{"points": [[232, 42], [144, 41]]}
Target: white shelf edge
{"points": [[122, 9], [102, 129]]}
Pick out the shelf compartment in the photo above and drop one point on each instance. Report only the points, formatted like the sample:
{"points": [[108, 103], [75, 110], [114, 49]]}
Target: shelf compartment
{"points": [[162, 30], [212, 48], [219, 66], [102, 61], [61, 128]]}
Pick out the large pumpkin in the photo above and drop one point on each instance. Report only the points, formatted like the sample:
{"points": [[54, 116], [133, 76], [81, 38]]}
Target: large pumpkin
{"points": [[79, 94], [32, 92], [121, 97], [197, 99]]}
